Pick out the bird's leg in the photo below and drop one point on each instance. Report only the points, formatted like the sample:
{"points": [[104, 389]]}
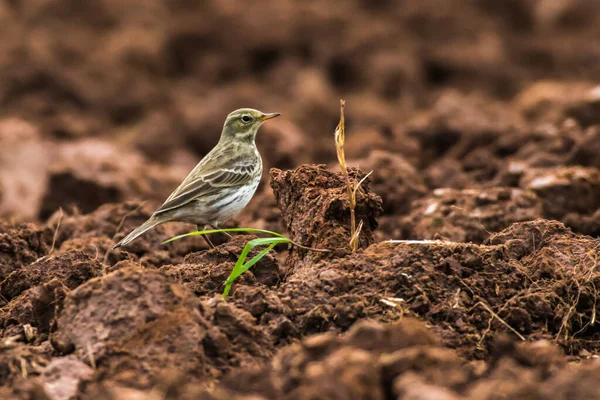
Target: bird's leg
{"points": [[205, 237], [216, 226]]}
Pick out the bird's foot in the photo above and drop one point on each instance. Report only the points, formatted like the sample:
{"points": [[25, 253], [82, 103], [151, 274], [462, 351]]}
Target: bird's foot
{"points": [[205, 237]]}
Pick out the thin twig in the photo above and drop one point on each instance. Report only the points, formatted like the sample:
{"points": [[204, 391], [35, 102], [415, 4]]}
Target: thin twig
{"points": [[309, 248], [494, 315], [91, 356], [119, 227], [55, 236], [420, 242], [24, 368]]}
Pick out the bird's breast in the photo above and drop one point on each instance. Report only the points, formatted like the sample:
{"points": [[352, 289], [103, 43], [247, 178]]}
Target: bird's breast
{"points": [[234, 201]]}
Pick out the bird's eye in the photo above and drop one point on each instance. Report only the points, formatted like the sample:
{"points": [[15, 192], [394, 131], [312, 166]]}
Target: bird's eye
{"points": [[246, 118]]}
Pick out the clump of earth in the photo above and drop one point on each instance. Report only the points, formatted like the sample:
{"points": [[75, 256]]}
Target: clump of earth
{"points": [[476, 272]]}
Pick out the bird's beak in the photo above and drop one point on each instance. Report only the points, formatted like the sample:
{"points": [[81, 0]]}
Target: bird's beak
{"points": [[269, 116]]}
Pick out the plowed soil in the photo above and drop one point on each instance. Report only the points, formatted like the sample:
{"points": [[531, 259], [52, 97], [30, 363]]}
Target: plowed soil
{"points": [[476, 275]]}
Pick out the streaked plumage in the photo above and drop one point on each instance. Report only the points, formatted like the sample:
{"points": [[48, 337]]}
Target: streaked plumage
{"points": [[222, 183]]}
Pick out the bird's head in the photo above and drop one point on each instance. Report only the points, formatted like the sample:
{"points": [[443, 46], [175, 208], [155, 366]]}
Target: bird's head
{"points": [[242, 124]]}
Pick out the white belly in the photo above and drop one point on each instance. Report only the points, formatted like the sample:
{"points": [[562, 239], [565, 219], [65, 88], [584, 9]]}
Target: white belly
{"points": [[228, 207], [213, 212]]}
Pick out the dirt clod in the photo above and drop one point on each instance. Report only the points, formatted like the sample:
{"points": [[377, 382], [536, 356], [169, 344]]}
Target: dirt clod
{"points": [[19, 245], [479, 119], [467, 215], [315, 207], [565, 190], [206, 272], [72, 269], [394, 179], [23, 169], [62, 376]]}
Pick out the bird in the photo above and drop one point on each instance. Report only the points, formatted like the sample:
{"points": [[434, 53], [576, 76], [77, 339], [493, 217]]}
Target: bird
{"points": [[222, 183]]}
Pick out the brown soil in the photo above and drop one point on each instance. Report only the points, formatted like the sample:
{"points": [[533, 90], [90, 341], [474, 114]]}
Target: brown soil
{"points": [[480, 121]]}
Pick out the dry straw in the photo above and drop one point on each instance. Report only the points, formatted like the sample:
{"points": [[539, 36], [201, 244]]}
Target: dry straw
{"points": [[351, 188]]}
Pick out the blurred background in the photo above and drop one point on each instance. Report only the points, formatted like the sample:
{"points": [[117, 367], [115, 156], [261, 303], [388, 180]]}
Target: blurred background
{"points": [[112, 100]]}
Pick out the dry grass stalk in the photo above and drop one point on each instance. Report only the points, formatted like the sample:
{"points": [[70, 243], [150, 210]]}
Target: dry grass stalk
{"points": [[340, 137], [55, 236], [24, 368], [494, 315], [354, 239], [351, 188], [90, 353]]}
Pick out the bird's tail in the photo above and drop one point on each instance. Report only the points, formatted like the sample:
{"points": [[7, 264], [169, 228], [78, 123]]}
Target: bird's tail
{"points": [[140, 230]]}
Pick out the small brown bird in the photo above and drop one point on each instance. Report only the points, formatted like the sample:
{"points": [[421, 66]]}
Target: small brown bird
{"points": [[222, 183]]}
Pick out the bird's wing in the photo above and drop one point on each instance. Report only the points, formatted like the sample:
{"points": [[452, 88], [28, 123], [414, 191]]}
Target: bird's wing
{"points": [[198, 184]]}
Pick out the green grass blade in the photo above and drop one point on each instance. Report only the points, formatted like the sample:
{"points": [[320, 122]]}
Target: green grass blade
{"points": [[265, 241], [255, 259], [272, 242], [238, 269], [209, 231], [241, 267], [244, 268], [242, 258]]}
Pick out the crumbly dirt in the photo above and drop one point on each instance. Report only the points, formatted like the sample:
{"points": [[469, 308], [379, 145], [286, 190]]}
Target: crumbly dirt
{"points": [[479, 120], [466, 215], [20, 245], [205, 272], [316, 210]]}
